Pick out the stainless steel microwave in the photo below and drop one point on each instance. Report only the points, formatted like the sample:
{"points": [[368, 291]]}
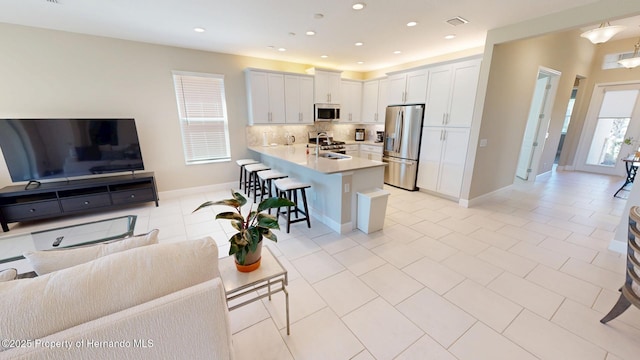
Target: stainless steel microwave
{"points": [[327, 112]]}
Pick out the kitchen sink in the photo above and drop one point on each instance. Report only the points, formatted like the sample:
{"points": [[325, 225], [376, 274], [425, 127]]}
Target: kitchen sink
{"points": [[334, 156]]}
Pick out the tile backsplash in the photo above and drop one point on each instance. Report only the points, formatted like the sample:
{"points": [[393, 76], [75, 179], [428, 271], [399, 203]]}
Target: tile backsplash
{"points": [[276, 133]]}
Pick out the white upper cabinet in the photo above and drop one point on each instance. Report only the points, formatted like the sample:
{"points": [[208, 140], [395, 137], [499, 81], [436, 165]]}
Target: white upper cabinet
{"points": [[351, 96], [408, 87], [327, 87], [298, 90], [374, 101], [265, 96], [451, 94]]}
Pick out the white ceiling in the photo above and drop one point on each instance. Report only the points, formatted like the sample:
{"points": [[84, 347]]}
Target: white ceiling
{"points": [[251, 27]]}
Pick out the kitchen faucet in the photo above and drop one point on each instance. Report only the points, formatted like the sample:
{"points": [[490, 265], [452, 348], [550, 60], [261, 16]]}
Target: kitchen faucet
{"points": [[321, 134]]}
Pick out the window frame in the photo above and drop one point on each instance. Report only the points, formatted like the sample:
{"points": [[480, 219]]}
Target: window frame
{"points": [[203, 118]]}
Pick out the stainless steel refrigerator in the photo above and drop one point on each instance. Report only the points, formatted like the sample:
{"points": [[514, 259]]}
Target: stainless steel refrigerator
{"points": [[402, 132]]}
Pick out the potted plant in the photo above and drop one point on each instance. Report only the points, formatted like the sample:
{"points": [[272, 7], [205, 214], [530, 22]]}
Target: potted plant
{"points": [[246, 244]]}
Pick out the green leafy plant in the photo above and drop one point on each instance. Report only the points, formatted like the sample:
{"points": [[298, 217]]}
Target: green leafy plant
{"points": [[253, 227]]}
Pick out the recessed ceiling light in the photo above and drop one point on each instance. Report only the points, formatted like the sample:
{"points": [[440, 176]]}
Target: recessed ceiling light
{"points": [[412, 23], [397, 52], [450, 36], [292, 34], [199, 29], [358, 6], [310, 33], [282, 49], [318, 16], [360, 62], [271, 47], [358, 44], [324, 56]]}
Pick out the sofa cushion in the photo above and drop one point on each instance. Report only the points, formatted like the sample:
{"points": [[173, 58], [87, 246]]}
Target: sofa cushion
{"points": [[8, 274], [44, 262], [191, 323], [37, 307]]}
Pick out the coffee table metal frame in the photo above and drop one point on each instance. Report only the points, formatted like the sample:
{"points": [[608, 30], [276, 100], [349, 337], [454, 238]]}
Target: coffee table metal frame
{"points": [[130, 221], [238, 284]]}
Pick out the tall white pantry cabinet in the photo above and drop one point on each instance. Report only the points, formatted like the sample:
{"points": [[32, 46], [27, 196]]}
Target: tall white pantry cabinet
{"points": [[451, 92]]}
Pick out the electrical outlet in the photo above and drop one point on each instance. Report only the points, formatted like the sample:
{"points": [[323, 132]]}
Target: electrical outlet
{"points": [[346, 187], [483, 142]]}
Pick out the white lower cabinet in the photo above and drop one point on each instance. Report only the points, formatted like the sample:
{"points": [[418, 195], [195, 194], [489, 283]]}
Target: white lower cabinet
{"points": [[351, 150], [443, 153], [371, 152]]}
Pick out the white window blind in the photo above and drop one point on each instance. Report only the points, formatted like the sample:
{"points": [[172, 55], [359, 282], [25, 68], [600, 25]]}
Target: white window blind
{"points": [[203, 117]]}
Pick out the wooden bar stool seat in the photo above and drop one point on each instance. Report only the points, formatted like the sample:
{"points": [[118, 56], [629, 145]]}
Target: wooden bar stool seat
{"points": [[243, 173], [266, 181], [288, 188], [252, 183]]}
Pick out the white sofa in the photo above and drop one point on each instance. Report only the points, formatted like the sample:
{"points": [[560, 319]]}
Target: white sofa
{"points": [[163, 301]]}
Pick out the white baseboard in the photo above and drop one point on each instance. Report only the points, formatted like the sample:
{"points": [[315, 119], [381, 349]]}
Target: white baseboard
{"points": [[481, 199], [197, 190], [566, 168], [618, 246]]}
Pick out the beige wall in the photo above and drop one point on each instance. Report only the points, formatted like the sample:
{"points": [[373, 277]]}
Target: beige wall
{"points": [[57, 74], [506, 84], [512, 78], [596, 76]]}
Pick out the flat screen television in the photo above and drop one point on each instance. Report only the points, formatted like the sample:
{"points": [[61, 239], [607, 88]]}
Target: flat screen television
{"points": [[43, 149]]}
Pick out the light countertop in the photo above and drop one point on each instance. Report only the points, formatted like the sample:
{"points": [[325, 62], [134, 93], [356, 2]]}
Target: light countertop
{"points": [[296, 154]]}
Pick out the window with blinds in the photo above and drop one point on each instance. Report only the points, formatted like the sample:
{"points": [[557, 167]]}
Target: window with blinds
{"points": [[202, 109]]}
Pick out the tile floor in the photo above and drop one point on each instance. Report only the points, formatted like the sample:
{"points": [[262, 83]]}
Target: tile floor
{"points": [[526, 275]]}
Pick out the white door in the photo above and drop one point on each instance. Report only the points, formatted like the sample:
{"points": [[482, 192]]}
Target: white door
{"points": [[454, 154], [613, 116], [537, 123], [430, 154]]}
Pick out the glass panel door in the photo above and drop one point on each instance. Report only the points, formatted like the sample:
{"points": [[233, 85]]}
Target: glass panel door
{"points": [[613, 116], [611, 127]]}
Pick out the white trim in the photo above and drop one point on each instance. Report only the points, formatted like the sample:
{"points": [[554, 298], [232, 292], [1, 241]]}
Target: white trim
{"points": [[172, 194], [483, 198], [618, 246]]}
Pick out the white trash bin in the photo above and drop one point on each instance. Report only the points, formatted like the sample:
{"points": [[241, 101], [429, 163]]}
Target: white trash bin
{"points": [[372, 206]]}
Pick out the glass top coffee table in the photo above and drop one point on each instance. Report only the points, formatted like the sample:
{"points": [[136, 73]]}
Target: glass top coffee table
{"points": [[12, 247]]}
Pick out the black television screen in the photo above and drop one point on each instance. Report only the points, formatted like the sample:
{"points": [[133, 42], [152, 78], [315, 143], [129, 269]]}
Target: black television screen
{"points": [[42, 149]]}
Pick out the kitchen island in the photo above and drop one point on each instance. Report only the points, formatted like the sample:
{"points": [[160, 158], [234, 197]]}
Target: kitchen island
{"points": [[334, 182]]}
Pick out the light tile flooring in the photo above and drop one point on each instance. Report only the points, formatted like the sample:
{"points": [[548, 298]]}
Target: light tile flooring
{"points": [[526, 275]]}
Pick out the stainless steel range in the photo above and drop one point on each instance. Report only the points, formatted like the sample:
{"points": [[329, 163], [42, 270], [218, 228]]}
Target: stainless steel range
{"points": [[326, 142]]}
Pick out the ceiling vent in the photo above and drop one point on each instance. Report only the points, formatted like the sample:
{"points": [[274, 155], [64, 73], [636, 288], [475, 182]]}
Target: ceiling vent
{"points": [[457, 21]]}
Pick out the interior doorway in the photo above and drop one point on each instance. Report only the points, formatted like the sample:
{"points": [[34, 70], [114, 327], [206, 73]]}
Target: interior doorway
{"points": [[535, 132], [567, 118]]}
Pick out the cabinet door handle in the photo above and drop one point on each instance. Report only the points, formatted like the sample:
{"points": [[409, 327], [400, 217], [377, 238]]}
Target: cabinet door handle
{"points": [[375, 117], [32, 210], [441, 131], [86, 202], [132, 196], [444, 135]]}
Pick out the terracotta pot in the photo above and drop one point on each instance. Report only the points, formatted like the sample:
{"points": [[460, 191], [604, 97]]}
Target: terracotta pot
{"points": [[251, 261]]}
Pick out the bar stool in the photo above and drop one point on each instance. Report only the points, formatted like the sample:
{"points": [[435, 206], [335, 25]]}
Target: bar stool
{"points": [[242, 163], [266, 179], [252, 178], [288, 188]]}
